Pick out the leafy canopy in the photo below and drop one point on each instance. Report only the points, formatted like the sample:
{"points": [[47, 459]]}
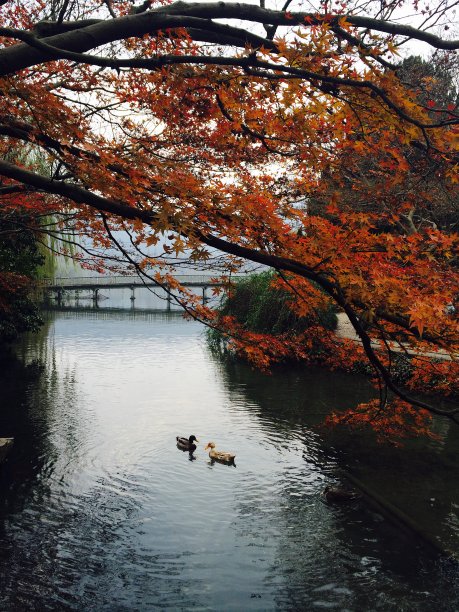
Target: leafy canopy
{"points": [[284, 137]]}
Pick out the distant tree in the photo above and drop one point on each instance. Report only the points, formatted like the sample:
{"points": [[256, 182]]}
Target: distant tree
{"points": [[434, 80], [360, 181]]}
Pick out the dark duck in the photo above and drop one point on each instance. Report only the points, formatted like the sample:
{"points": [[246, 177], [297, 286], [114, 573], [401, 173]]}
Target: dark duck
{"points": [[187, 444]]}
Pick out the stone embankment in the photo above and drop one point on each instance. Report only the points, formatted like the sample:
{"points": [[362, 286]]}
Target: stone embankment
{"points": [[344, 329]]}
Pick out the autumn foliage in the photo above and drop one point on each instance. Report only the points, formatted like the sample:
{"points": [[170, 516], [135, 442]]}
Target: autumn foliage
{"points": [[289, 139]]}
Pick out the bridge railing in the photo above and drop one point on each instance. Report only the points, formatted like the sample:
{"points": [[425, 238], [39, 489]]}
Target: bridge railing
{"points": [[134, 280]]}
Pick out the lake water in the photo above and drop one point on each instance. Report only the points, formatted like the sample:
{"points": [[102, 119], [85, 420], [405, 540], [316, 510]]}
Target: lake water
{"points": [[100, 511]]}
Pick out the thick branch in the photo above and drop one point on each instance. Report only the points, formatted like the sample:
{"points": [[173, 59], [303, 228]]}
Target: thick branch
{"points": [[192, 15], [80, 195]]}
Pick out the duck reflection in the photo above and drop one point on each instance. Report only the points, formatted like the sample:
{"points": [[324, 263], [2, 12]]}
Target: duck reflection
{"points": [[191, 455]]}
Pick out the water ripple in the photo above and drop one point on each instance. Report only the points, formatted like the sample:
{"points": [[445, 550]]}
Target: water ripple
{"points": [[101, 511]]}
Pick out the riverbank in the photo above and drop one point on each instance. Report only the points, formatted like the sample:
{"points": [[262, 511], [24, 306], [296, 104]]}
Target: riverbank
{"points": [[344, 329]]}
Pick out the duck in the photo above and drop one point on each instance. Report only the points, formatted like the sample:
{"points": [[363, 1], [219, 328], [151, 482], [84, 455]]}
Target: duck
{"points": [[337, 495], [187, 444], [221, 456]]}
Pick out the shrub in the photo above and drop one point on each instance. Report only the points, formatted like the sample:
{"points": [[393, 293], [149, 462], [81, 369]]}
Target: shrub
{"points": [[261, 307]]}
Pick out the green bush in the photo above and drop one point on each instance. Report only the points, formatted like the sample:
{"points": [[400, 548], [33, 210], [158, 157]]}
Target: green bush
{"points": [[260, 307], [19, 260]]}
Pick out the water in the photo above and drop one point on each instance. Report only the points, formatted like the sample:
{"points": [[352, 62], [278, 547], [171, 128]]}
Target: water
{"points": [[100, 511]]}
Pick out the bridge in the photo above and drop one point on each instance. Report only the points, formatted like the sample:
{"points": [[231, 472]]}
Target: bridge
{"points": [[59, 285]]}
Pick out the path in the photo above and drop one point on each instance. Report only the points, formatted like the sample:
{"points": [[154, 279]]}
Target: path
{"points": [[344, 329]]}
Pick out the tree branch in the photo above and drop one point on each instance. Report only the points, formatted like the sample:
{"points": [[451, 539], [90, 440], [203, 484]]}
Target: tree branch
{"points": [[80, 195], [197, 15]]}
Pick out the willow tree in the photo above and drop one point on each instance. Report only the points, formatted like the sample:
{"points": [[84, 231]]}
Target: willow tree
{"points": [[209, 127]]}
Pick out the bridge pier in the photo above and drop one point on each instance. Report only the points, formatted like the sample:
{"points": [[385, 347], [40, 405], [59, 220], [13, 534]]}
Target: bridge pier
{"points": [[59, 295], [58, 286]]}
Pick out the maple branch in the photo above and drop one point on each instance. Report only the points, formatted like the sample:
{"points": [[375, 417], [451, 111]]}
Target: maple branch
{"points": [[108, 4], [271, 30], [135, 10], [13, 189], [383, 372], [200, 15], [253, 133], [47, 28], [62, 12], [143, 274], [327, 84], [197, 20], [27, 133], [219, 34], [73, 43], [80, 195]]}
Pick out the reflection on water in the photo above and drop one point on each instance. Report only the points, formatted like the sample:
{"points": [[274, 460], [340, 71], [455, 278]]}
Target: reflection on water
{"points": [[100, 511]]}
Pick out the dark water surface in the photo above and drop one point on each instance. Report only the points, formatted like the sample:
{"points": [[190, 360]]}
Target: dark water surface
{"points": [[100, 511]]}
